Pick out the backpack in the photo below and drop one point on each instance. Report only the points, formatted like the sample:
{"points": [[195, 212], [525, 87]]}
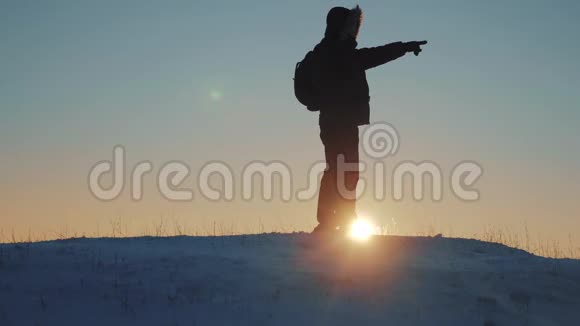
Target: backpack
{"points": [[304, 89]]}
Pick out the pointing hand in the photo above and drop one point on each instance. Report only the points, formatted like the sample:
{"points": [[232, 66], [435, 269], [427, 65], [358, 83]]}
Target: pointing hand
{"points": [[415, 46]]}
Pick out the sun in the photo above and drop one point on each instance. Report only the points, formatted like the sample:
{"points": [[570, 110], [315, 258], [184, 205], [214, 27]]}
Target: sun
{"points": [[361, 230]]}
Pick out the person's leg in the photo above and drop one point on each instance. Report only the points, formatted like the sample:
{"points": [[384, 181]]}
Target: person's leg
{"points": [[338, 206], [327, 197], [346, 208]]}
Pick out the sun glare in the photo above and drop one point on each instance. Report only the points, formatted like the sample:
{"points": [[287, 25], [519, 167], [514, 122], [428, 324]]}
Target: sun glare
{"points": [[361, 230]]}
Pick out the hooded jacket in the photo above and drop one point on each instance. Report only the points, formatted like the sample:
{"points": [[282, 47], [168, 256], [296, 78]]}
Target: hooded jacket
{"points": [[341, 70]]}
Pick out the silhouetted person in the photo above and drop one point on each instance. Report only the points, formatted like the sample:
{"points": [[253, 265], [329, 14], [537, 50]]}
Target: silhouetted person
{"points": [[343, 102]]}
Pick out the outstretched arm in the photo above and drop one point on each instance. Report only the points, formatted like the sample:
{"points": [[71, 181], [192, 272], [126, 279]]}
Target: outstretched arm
{"points": [[373, 57]]}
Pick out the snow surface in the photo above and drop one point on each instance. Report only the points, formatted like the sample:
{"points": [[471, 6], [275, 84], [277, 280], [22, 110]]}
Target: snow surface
{"points": [[283, 279]]}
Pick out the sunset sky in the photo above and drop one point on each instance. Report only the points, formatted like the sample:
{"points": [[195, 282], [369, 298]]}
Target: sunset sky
{"points": [[212, 81]]}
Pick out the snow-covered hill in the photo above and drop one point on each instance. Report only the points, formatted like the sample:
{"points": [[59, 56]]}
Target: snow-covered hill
{"points": [[283, 279]]}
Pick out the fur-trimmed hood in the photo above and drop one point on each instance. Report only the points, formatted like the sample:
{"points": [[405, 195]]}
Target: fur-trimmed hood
{"points": [[343, 23]]}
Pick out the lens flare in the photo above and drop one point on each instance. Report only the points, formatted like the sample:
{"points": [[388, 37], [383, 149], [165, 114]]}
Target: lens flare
{"points": [[216, 95], [361, 230]]}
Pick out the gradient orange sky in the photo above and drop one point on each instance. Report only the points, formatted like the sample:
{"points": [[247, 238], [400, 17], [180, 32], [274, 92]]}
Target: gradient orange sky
{"points": [[497, 84]]}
